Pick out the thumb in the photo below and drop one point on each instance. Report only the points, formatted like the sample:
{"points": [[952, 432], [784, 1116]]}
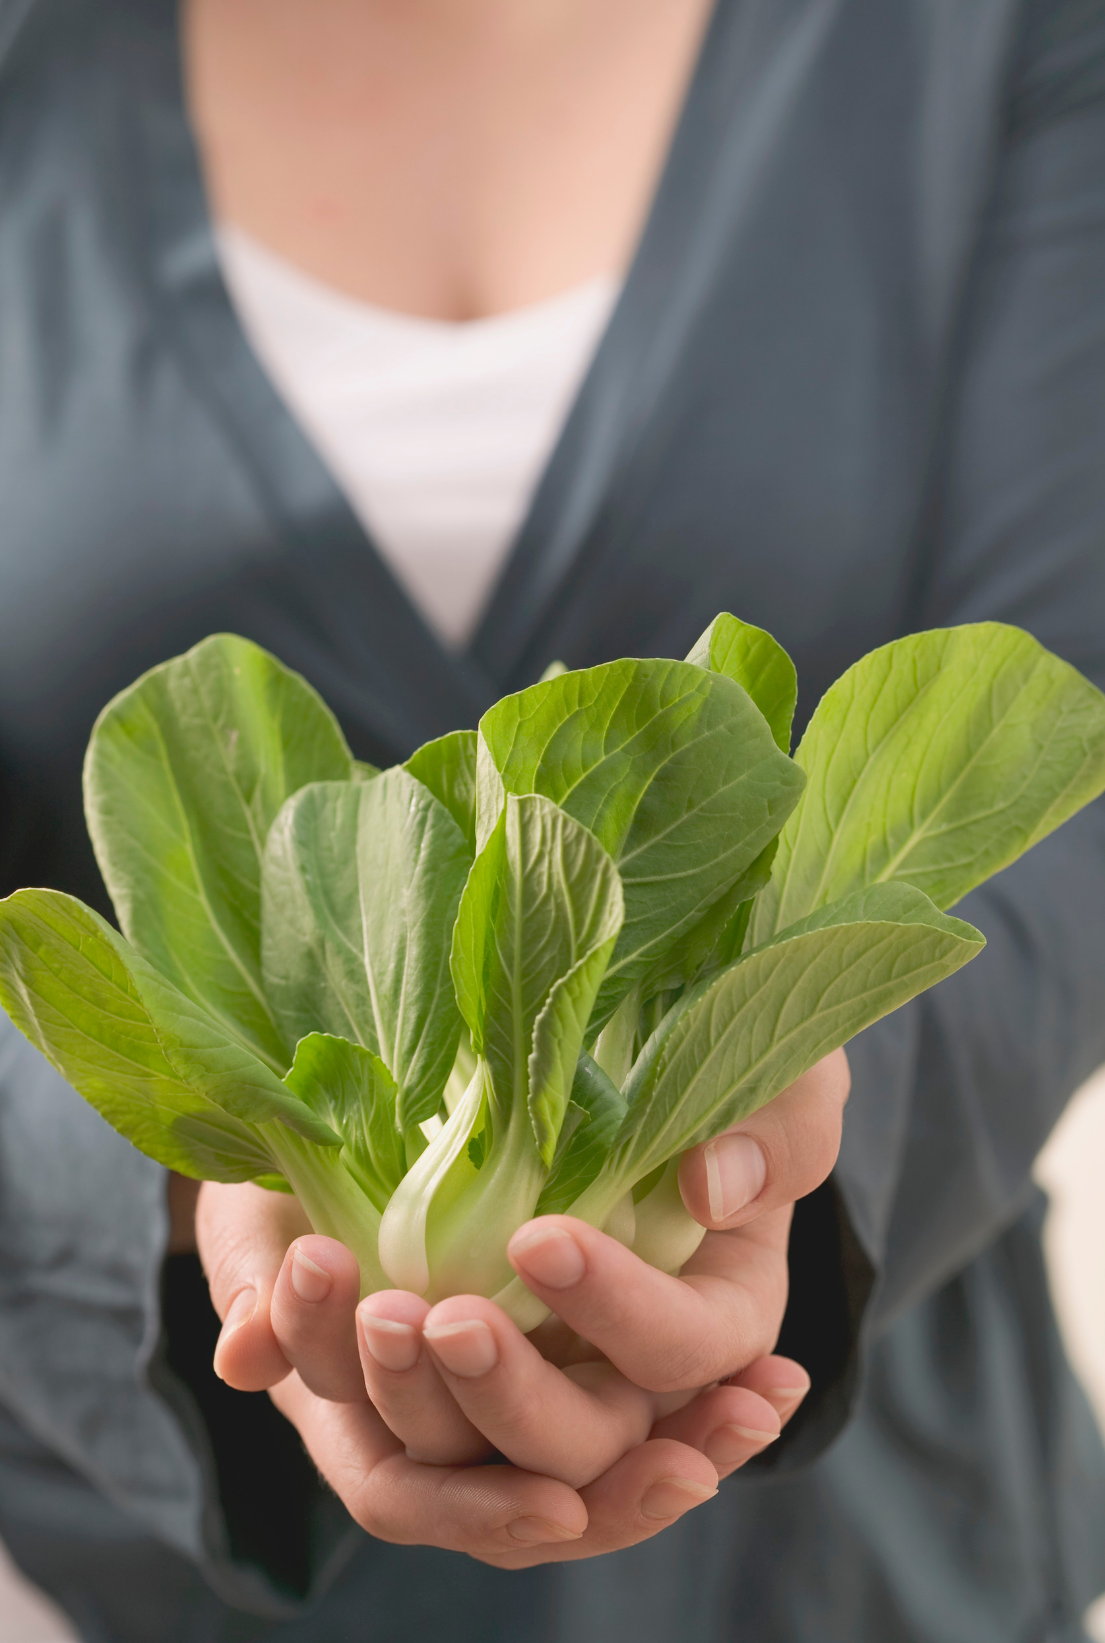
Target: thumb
{"points": [[242, 1233], [778, 1155]]}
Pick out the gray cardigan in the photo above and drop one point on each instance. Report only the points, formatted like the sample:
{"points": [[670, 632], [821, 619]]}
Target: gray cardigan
{"points": [[855, 386]]}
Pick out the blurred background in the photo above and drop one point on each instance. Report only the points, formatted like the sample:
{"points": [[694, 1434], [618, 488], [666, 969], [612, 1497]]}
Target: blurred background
{"points": [[1071, 1170]]}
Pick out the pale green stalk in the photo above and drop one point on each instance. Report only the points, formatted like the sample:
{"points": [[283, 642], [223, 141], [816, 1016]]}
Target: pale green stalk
{"points": [[467, 1237], [402, 1241], [332, 1201], [666, 1234]]}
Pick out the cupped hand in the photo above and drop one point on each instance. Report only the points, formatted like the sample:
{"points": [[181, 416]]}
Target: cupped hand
{"points": [[616, 1416]]}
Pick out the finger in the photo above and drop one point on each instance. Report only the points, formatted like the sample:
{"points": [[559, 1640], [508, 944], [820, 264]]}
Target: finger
{"points": [[644, 1492], [312, 1316], [405, 1386], [721, 1314], [572, 1425], [499, 1514], [242, 1233], [727, 1424], [779, 1154], [781, 1381], [486, 1511], [738, 1419]]}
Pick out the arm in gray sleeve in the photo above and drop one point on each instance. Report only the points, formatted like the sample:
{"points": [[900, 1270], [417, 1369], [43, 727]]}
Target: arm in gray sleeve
{"points": [[83, 1227], [954, 1096], [84, 1350], [1020, 536]]}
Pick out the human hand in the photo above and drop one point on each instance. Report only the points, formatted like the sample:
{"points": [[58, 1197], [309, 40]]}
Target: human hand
{"points": [[602, 1411]]}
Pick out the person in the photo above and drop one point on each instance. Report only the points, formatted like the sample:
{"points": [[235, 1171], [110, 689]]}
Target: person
{"points": [[427, 345]]}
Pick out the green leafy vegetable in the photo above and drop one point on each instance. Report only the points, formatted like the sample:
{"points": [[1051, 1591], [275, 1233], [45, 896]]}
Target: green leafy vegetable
{"points": [[537, 924], [185, 772], [448, 768], [759, 663], [674, 770], [737, 1039], [524, 972], [936, 761], [360, 887], [600, 1109], [150, 1060], [352, 1091], [540, 916], [756, 661]]}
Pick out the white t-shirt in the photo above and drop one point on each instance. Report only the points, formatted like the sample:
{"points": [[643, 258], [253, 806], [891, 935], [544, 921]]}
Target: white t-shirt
{"points": [[437, 432]]}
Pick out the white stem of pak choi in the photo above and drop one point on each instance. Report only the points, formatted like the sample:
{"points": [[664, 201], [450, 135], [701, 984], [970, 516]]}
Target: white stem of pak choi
{"points": [[403, 1227], [667, 1234]]}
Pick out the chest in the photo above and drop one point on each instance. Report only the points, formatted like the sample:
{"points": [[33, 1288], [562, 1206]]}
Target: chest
{"points": [[449, 161]]}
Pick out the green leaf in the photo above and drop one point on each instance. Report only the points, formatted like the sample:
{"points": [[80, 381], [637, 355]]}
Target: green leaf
{"points": [[448, 768], [737, 1040], [537, 924], [157, 1067], [361, 884], [755, 660], [184, 773], [602, 1111], [352, 1091], [557, 1039], [936, 761], [759, 663], [615, 1048], [672, 768], [717, 938]]}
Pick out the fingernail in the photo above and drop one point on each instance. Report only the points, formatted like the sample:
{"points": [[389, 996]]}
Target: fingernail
{"points": [[392, 1345], [550, 1256], [730, 1443], [736, 1170], [241, 1310], [536, 1531], [784, 1396], [310, 1281], [466, 1348], [670, 1497]]}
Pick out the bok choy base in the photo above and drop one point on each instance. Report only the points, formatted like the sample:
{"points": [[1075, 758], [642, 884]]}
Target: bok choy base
{"points": [[525, 971]]}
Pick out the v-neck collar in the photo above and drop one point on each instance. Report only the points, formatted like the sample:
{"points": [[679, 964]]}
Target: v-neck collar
{"points": [[754, 62], [619, 392], [618, 395]]}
